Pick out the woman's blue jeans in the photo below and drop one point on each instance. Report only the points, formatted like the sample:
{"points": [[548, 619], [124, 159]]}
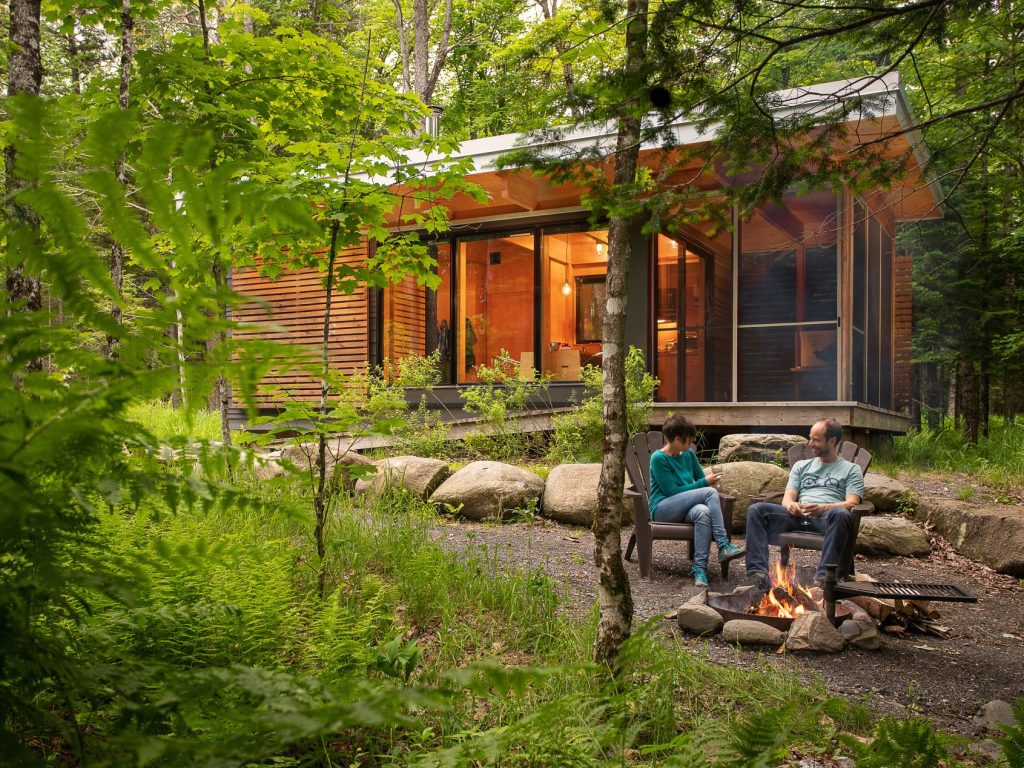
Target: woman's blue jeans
{"points": [[702, 509]]}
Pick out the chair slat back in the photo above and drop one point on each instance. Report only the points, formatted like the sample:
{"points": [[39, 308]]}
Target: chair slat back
{"points": [[848, 450], [638, 459]]}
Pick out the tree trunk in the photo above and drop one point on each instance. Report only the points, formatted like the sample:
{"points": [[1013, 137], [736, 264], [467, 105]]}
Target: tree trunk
{"points": [[24, 76], [970, 397], [76, 70], [425, 76], [321, 500], [223, 392], [916, 395], [614, 596], [420, 46], [116, 249]]}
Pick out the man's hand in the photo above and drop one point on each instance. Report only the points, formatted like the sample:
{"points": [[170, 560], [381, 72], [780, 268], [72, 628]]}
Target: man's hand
{"points": [[797, 509], [814, 509]]}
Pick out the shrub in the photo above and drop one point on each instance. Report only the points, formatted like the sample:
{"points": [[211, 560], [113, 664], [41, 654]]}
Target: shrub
{"points": [[579, 435], [420, 432], [500, 399]]}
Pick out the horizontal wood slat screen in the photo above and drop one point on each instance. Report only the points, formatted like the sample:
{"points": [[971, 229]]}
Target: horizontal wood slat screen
{"points": [[902, 330], [296, 302], [404, 320]]}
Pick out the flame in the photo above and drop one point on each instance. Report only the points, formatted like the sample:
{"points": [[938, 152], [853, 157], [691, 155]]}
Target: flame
{"points": [[784, 577]]}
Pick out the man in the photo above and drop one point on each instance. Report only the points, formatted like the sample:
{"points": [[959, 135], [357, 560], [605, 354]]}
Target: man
{"points": [[819, 496]]}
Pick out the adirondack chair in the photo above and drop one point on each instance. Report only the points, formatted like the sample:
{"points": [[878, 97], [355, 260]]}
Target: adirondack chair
{"points": [[646, 531], [809, 539]]}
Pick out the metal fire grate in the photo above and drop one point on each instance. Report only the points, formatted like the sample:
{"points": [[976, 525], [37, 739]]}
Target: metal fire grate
{"points": [[895, 590]]}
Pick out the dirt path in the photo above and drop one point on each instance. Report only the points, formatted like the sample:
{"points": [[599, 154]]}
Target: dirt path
{"points": [[947, 679]]}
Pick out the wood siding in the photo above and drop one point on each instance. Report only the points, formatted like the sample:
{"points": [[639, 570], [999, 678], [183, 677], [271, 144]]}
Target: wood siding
{"points": [[902, 331], [291, 310], [404, 320]]}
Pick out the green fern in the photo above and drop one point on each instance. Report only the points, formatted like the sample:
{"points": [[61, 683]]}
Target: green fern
{"points": [[1012, 740], [909, 743], [762, 738]]}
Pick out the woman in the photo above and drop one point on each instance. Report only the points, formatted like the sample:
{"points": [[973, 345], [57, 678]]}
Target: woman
{"points": [[682, 493]]}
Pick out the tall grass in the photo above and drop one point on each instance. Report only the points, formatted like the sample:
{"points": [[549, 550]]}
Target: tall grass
{"points": [[997, 459], [419, 654], [165, 422]]}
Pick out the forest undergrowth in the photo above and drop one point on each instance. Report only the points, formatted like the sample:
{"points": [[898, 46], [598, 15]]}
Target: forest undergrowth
{"points": [[215, 649]]}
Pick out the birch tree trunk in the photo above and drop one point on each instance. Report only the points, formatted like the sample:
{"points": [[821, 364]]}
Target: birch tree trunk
{"points": [[614, 596]]}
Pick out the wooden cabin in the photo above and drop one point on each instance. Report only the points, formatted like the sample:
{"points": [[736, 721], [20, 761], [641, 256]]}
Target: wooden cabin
{"points": [[800, 311]]}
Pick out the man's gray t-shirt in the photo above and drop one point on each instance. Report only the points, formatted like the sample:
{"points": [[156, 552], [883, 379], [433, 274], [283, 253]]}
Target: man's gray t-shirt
{"points": [[818, 483]]}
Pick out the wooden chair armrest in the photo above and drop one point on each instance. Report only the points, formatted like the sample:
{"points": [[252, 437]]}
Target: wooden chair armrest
{"points": [[631, 492], [727, 502], [774, 497]]}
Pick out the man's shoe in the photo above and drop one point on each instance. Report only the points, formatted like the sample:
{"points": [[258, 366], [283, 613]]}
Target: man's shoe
{"points": [[700, 576], [729, 552], [758, 580]]}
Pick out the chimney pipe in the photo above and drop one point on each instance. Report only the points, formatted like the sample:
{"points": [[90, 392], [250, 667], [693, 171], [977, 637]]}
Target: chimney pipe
{"points": [[432, 122]]}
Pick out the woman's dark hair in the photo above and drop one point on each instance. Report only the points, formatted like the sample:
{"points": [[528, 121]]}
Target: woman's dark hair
{"points": [[678, 426]]}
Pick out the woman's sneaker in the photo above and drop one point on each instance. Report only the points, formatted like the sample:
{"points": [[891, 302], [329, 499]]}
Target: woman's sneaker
{"points": [[700, 576], [727, 552]]}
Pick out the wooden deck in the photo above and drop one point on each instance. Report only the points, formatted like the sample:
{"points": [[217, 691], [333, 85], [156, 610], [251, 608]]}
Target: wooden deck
{"points": [[862, 423]]}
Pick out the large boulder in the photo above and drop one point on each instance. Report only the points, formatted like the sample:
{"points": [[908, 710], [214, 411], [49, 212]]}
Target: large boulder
{"points": [[992, 534], [743, 479], [750, 632], [344, 466], [748, 447], [814, 632], [701, 620], [570, 495], [417, 475], [891, 535], [488, 489], [886, 494]]}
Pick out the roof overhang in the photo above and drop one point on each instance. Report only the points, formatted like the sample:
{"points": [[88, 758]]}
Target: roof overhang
{"points": [[881, 118]]}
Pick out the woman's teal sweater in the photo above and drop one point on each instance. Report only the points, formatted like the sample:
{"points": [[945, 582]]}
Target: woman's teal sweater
{"points": [[673, 474]]}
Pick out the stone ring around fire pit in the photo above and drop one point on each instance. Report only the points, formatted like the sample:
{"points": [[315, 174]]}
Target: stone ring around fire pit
{"points": [[738, 605], [792, 593]]}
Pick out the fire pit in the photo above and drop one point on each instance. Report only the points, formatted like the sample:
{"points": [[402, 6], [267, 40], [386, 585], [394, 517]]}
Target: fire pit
{"points": [[791, 595]]}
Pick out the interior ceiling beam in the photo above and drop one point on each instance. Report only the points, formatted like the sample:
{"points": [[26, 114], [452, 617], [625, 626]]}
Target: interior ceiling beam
{"points": [[774, 214], [520, 190], [781, 218]]}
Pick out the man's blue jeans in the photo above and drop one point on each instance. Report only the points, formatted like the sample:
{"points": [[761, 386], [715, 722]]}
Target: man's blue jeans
{"points": [[702, 509], [765, 521]]}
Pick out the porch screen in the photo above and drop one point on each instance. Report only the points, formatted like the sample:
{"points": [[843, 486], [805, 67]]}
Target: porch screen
{"points": [[872, 321], [495, 303], [787, 344]]}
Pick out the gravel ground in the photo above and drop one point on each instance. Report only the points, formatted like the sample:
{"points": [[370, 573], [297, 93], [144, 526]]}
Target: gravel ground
{"points": [[946, 678]]}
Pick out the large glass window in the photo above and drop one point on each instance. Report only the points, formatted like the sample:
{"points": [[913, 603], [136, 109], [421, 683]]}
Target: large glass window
{"points": [[787, 340], [440, 335], [495, 301], [573, 268]]}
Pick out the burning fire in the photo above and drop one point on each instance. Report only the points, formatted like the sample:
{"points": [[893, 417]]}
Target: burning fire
{"points": [[786, 598]]}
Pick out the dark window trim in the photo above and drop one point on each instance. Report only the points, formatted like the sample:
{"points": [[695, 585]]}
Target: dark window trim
{"points": [[535, 225]]}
